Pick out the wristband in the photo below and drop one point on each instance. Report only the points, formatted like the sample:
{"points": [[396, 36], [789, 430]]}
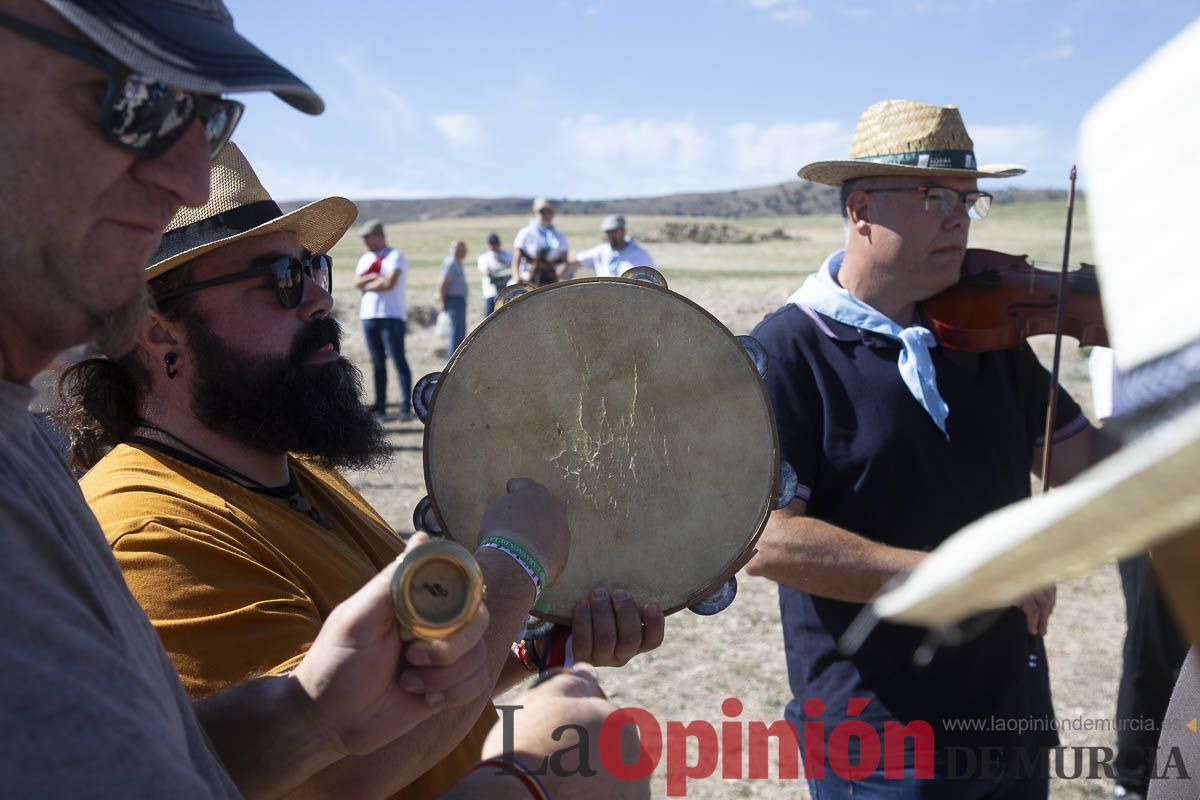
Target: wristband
{"points": [[528, 779], [523, 557]]}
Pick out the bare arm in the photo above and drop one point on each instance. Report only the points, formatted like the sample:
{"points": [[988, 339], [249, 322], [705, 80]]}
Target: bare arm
{"points": [[518, 257], [1072, 456], [348, 696], [382, 283], [822, 559], [391, 768], [528, 515]]}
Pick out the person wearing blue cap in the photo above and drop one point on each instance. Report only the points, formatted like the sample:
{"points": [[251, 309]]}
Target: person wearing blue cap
{"points": [[110, 113], [495, 265]]}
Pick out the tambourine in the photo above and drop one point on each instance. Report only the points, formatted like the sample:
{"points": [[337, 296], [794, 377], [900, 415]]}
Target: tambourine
{"points": [[638, 410]]}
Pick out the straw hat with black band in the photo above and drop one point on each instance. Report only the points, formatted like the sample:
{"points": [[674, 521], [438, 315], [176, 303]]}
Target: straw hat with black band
{"points": [[239, 207], [904, 137], [1147, 493]]}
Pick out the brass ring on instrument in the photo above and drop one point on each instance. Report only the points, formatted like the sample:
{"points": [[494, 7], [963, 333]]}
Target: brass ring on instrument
{"points": [[437, 589]]}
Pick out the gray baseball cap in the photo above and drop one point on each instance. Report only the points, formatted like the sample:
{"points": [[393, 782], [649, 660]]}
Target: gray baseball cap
{"points": [[189, 43], [612, 222], [370, 226]]}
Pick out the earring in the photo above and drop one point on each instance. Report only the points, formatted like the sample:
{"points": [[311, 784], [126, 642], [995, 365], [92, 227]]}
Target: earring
{"points": [[169, 359]]}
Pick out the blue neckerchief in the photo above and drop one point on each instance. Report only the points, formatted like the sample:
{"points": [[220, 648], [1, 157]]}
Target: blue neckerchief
{"points": [[821, 292]]}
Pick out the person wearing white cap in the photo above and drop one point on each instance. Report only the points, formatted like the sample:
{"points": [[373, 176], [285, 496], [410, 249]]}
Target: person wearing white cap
{"points": [[618, 253], [540, 250], [897, 443]]}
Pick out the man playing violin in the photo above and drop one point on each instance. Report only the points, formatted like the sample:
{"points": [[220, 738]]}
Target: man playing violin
{"points": [[898, 443]]}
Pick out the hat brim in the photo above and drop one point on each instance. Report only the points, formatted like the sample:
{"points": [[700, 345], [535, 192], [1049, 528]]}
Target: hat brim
{"points": [[835, 173], [185, 48], [318, 226], [1141, 495]]}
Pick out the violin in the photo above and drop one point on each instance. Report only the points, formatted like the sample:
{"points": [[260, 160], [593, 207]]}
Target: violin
{"points": [[1002, 299]]}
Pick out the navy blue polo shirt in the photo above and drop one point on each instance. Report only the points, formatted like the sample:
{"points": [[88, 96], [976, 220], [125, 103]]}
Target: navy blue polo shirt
{"points": [[871, 460]]}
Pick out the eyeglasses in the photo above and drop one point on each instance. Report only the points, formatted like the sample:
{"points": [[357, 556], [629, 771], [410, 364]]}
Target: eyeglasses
{"points": [[140, 113], [947, 201], [289, 274]]}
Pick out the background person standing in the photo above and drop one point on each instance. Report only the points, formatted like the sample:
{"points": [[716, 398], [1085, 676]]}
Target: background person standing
{"points": [[540, 250], [453, 292], [382, 277], [495, 265], [619, 252]]}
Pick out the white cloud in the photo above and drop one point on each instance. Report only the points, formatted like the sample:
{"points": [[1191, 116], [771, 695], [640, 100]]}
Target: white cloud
{"points": [[622, 157], [783, 10], [461, 130], [370, 93], [293, 180], [931, 7], [1009, 144], [773, 153], [1061, 53], [626, 156]]}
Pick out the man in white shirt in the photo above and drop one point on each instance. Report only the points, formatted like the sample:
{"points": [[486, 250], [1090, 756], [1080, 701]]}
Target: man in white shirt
{"points": [[382, 277], [495, 265], [618, 253], [540, 249]]}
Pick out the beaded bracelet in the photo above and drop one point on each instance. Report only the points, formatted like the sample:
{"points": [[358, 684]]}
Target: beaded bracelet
{"points": [[523, 557], [519, 771]]}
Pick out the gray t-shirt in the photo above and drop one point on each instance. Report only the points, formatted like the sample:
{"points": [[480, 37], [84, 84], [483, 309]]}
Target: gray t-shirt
{"points": [[90, 704], [456, 281], [1178, 745]]}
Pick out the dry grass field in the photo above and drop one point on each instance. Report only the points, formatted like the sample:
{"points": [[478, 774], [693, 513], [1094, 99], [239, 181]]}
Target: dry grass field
{"points": [[739, 653]]}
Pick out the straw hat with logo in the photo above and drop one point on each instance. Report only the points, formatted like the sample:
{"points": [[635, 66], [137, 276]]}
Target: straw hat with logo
{"points": [[239, 207], [1145, 494], [904, 137]]}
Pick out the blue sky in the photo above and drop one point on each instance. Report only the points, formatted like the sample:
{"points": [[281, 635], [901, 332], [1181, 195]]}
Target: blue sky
{"points": [[610, 98]]}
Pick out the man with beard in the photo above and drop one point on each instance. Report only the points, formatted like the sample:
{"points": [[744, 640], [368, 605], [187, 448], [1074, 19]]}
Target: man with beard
{"points": [[220, 495]]}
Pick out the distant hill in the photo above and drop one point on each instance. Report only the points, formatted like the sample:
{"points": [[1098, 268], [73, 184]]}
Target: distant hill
{"points": [[782, 200]]}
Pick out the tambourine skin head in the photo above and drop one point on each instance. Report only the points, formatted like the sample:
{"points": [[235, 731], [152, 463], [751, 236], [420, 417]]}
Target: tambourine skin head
{"points": [[436, 589], [660, 443]]}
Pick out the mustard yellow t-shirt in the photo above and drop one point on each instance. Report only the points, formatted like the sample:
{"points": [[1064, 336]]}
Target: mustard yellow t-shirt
{"points": [[236, 582]]}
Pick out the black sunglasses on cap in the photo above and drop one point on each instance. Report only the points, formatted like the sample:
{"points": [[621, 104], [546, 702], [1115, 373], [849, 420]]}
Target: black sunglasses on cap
{"points": [[140, 113], [289, 273]]}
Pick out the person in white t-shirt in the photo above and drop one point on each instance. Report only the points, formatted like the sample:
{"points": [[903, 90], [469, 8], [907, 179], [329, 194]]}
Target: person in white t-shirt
{"points": [[495, 265], [618, 253], [540, 250], [382, 277]]}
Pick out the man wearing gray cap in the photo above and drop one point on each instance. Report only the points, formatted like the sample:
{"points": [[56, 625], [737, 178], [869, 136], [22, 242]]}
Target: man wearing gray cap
{"points": [[110, 111], [618, 253]]}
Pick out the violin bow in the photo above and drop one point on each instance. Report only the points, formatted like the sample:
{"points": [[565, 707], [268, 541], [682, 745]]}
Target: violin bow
{"points": [[1060, 313]]}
